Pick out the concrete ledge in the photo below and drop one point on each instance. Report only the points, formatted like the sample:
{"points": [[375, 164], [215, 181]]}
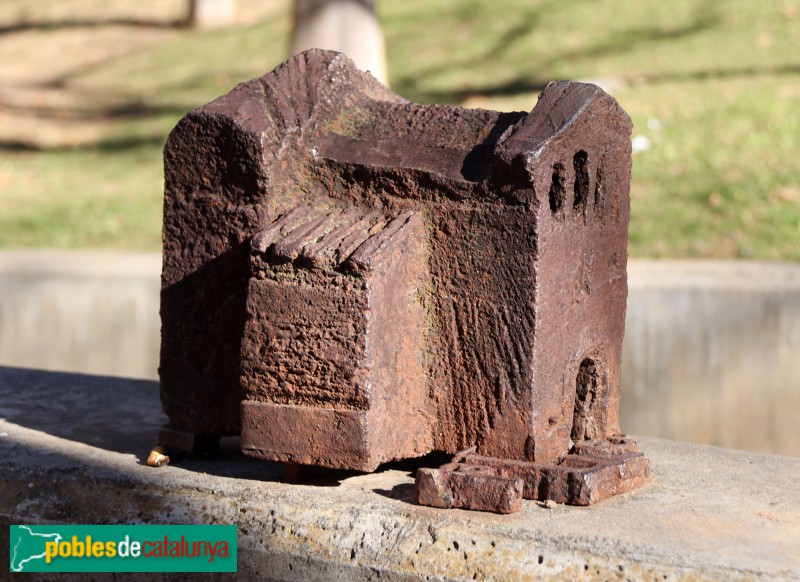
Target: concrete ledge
{"points": [[73, 445], [81, 311], [741, 276], [710, 353]]}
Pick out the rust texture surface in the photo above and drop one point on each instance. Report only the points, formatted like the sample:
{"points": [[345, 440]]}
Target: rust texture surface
{"points": [[351, 278], [593, 471]]}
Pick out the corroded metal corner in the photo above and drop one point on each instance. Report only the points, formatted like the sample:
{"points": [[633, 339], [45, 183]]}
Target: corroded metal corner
{"points": [[332, 351]]}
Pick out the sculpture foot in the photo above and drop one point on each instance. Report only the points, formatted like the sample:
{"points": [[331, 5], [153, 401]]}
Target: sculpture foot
{"points": [[292, 472], [175, 443]]}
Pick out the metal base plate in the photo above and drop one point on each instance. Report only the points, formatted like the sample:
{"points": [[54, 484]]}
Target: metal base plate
{"points": [[593, 471]]}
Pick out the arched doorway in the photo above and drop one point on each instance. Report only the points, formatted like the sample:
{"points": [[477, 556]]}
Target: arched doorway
{"points": [[588, 420]]}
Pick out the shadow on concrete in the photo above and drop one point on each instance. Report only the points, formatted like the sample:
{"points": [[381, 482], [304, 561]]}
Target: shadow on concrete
{"points": [[115, 414], [118, 415], [230, 462], [405, 491], [122, 415], [320, 476]]}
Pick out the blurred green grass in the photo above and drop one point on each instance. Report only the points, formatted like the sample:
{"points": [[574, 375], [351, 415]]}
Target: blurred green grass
{"points": [[713, 89]]}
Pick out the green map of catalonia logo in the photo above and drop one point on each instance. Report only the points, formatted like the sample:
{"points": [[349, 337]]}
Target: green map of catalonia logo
{"points": [[123, 548], [28, 545]]}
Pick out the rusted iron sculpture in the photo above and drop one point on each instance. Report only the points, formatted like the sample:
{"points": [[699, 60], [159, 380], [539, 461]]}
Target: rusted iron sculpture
{"points": [[350, 278]]}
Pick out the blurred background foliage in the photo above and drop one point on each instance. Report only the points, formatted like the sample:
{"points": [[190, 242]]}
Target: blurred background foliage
{"points": [[90, 89]]}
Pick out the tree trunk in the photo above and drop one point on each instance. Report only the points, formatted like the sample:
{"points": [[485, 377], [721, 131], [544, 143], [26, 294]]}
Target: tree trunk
{"points": [[348, 26]]}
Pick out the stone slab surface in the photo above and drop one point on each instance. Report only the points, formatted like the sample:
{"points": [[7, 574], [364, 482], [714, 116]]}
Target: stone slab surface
{"points": [[73, 448]]}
